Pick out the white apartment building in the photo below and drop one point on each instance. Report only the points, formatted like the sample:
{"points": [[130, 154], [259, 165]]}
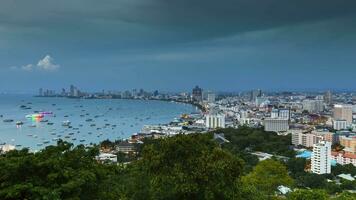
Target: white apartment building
{"points": [[276, 124], [321, 158], [215, 121]]}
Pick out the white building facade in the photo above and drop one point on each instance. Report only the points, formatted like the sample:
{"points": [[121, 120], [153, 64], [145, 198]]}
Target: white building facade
{"points": [[276, 124], [215, 121], [321, 158]]}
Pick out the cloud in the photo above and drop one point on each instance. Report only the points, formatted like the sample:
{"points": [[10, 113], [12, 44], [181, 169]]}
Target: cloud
{"points": [[47, 64], [44, 64], [28, 67]]}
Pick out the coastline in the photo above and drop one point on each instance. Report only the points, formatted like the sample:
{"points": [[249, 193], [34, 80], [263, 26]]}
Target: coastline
{"points": [[126, 128]]}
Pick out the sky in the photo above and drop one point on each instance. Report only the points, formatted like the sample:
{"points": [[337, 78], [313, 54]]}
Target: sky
{"points": [[173, 45]]}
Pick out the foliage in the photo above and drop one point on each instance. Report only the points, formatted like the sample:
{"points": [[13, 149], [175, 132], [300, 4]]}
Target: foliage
{"points": [[343, 169], [245, 138], [310, 180], [58, 172], [308, 195], [296, 166], [267, 176], [189, 167]]}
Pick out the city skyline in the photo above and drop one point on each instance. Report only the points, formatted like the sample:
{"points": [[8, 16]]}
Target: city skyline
{"points": [[225, 46]]}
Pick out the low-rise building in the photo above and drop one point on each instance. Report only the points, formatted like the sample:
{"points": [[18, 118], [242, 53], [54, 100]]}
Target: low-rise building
{"points": [[126, 147], [107, 157], [343, 158], [349, 143]]}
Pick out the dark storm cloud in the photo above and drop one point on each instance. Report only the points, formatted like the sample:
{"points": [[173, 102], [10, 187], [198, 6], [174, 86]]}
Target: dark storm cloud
{"points": [[130, 43], [191, 18]]}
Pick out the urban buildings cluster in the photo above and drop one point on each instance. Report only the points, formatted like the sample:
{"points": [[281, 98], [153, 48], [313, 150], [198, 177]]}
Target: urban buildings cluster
{"points": [[316, 121]]}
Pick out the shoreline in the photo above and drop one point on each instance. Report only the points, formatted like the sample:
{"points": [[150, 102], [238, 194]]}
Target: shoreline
{"points": [[193, 109], [195, 104]]}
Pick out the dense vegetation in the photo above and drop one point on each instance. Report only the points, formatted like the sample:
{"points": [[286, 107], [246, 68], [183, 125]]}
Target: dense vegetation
{"points": [[250, 139], [181, 167]]}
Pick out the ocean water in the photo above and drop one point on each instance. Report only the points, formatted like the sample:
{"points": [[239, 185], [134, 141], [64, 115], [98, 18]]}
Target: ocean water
{"points": [[111, 119]]}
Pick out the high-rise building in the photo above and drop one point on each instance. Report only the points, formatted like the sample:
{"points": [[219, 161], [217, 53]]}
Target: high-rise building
{"points": [[321, 158], [215, 121], [197, 94], [211, 97], [40, 92], [71, 90], [328, 97], [339, 124], [255, 94], [274, 113], [276, 124], [284, 113], [305, 139], [313, 106], [343, 112]]}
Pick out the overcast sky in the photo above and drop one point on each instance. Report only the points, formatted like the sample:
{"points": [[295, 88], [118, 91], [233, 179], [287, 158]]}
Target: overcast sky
{"points": [[173, 45]]}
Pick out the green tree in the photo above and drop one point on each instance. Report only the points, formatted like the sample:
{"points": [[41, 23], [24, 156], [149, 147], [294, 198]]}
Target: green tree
{"points": [[267, 176], [189, 167], [308, 195]]}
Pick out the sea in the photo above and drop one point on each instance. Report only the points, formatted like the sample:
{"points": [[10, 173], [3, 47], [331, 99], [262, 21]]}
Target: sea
{"points": [[91, 120]]}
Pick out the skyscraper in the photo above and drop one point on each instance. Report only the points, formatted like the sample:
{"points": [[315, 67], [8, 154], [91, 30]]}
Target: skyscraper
{"points": [[321, 158], [255, 94], [197, 94], [40, 92], [343, 112], [328, 98], [211, 97]]}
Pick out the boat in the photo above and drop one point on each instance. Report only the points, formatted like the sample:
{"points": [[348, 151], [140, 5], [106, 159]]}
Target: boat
{"points": [[39, 144], [67, 136], [18, 145], [46, 142], [66, 123], [89, 120], [44, 121], [92, 124], [55, 139], [74, 139], [81, 140], [8, 120], [32, 126], [50, 123], [70, 133], [18, 123]]}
